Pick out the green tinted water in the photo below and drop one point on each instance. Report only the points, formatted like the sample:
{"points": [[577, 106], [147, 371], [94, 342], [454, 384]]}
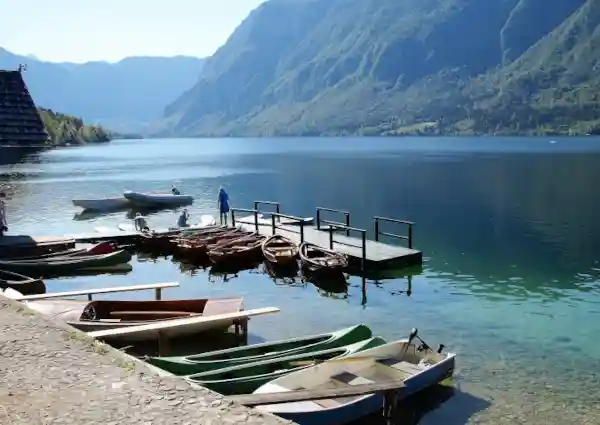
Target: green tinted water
{"points": [[508, 227]]}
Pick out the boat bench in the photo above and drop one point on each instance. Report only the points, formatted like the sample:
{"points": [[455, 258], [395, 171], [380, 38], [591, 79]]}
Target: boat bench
{"points": [[150, 315], [343, 380], [404, 366]]}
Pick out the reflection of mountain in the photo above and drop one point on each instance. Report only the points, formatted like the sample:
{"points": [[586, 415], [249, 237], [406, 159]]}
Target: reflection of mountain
{"points": [[495, 217]]}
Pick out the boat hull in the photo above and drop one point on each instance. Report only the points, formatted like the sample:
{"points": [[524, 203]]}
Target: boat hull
{"points": [[157, 199], [23, 284], [68, 264], [107, 204], [240, 355]]}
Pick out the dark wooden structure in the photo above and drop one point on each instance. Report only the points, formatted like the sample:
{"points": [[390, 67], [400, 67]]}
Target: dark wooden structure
{"points": [[364, 254], [20, 245], [20, 122]]}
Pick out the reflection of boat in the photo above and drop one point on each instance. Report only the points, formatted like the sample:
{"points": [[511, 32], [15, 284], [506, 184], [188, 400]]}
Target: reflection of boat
{"points": [[157, 199], [417, 368], [90, 316], [25, 285], [197, 363], [106, 204], [334, 283], [320, 261], [245, 378]]}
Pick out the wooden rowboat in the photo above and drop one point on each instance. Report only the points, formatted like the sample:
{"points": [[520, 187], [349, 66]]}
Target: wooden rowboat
{"points": [[90, 316], [188, 365], [280, 251], [245, 250], [245, 378], [98, 249], [321, 261], [25, 285], [399, 361]]}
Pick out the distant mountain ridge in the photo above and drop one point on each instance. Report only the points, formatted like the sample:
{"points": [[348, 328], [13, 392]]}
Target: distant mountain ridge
{"points": [[383, 66], [126, 96]]}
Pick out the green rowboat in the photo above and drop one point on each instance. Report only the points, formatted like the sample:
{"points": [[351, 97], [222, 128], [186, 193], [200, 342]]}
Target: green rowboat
{"points": [[199, 363], [244, 379], [67, 263]]}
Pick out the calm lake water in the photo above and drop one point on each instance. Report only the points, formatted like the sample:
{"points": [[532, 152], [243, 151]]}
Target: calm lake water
{"points": [[510, 231]]}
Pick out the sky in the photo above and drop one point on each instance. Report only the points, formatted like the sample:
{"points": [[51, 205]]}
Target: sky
{"points": [[109, 30]]}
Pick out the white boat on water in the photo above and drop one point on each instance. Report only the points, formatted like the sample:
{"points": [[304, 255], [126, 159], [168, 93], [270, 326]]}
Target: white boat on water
{"points": [[157, 199], [417, 366], [106, 204]]}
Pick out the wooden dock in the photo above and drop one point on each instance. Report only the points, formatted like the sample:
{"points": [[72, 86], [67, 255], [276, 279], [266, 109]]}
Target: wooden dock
{"points": [[18, 245], [363, 254]]}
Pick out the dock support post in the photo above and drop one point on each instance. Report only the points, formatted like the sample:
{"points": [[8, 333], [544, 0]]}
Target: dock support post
{"points": [[256, 220], [89, 297], [158, 294], [330, 237], [163, 344], [232, 218], [278, 212], [302, 232], [377, 229], [347, 223], [273, 225], [318, 219], [363, 260], [410, 232]]}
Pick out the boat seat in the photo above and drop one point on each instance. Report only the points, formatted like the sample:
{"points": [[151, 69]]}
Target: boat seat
{"points": [[343, 380], [149, 315], [404, 366]]}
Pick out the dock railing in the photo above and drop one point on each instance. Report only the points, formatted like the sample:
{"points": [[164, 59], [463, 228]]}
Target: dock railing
{"points": [[276, 217], [258, 204], [409, 224], [254, 212], [348, 229], [345, 224]]}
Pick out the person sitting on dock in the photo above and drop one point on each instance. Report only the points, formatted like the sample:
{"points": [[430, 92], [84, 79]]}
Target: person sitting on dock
{"points": [[182, 221], [3, 226], [140, 223], [223, 204], [175, 191]]}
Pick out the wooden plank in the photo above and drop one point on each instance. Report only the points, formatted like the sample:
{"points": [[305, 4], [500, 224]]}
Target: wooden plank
{"points": [[175, 323], [98, 291], [351, 246], [320, 394]]}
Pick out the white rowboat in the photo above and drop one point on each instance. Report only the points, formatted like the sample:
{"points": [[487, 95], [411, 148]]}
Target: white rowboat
{"points": [[106, 204], [399, 361]]}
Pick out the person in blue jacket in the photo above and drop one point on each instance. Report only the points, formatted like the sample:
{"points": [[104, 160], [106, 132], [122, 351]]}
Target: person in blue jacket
{"points": [[223, 205]]}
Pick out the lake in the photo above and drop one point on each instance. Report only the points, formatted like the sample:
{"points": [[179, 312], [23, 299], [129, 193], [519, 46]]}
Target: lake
{"points": [[509, 229]]}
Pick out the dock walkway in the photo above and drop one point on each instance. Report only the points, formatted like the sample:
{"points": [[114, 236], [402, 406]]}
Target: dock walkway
{"points": [[333, 235]]}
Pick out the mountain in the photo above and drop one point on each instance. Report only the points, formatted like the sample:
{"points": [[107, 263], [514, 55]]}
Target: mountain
{"points": [[125, 96], [304, 67]]}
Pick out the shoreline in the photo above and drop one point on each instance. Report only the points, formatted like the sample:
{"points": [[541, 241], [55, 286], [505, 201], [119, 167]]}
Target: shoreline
{"points": [[53, 372]]}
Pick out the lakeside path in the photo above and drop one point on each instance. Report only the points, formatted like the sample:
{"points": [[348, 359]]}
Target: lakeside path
{"points": [[53, 374]]}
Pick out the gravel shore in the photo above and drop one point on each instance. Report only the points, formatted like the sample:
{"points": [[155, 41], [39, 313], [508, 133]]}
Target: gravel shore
{"points": [[53, 374]]}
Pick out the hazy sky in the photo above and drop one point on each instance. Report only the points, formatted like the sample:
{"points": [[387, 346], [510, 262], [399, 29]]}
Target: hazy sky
{"points": [[84, 30]]}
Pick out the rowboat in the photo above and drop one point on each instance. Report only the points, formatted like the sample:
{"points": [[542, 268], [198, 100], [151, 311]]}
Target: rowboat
{"points": [[416, 367], [245, 250], [91, 316], [280, 251], [321, 261], [25, 285], [198, 363], [157, 199], [100, 248], [69, 263], [197, 246], [245, 378], [105, 204]]}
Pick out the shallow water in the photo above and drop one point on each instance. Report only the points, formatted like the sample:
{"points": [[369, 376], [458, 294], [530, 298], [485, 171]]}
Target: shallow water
{"points": [[508, 228]]}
